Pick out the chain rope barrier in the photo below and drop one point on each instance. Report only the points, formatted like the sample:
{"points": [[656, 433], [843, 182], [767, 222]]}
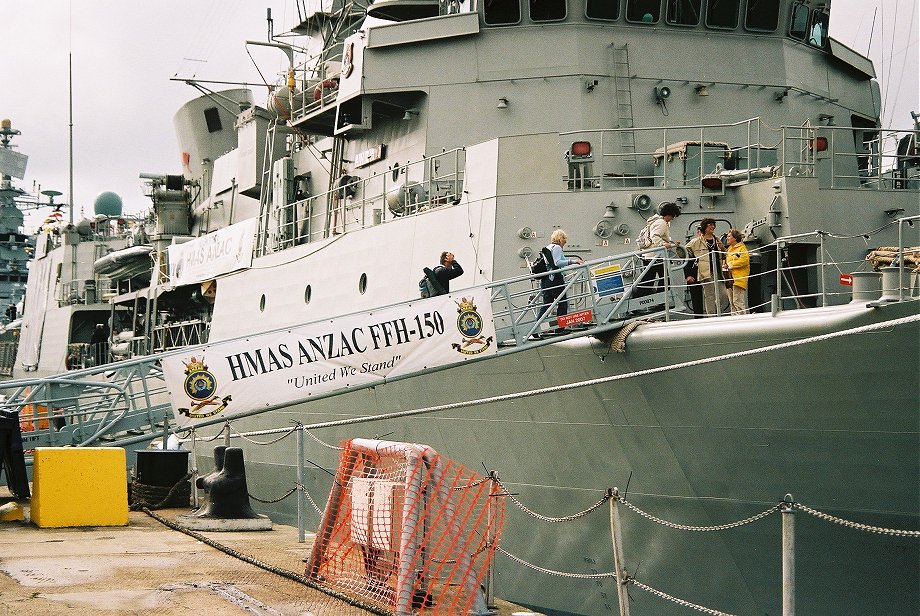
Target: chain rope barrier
{"points": [[683, 602], [276, 500], [271, 442], [689, 527], [567, 518], [580, 576], [895, 532], [313, 504]]}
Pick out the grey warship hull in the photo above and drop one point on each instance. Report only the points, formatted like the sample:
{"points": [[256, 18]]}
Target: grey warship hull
{"points": [[833, 423]]}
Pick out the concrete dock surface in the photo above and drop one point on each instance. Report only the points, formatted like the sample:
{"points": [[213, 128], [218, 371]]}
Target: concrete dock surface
{"points": [[147, 567]]}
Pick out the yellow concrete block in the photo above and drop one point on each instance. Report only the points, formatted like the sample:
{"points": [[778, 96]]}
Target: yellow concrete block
{"points": [[11, 512], [79, 486]]}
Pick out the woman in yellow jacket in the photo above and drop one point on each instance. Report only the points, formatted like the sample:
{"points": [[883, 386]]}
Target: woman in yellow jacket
{"points": [[738, 261]]}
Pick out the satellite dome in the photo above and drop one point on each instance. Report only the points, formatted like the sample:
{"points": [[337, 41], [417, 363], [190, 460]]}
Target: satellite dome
{"points": [[107, 204]]}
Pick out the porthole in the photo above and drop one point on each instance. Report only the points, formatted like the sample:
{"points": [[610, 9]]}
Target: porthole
{"points": [[362, 284], [262, 303], [307, 293]]}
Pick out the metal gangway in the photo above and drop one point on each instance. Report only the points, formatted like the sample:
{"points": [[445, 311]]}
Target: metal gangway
{"points": [[126, 404]]}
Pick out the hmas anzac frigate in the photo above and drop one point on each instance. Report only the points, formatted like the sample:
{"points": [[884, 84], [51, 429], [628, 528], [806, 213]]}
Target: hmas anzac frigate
{"points": [[407, 127]]}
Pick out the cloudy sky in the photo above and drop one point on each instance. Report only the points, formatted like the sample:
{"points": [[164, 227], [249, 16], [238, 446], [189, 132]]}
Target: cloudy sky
{"points": [[125, 53]]}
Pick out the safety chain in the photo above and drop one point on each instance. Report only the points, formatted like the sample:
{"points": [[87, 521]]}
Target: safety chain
{"points": [[272, 442], [474, 484], [658, 520], [295, 577], [683, 602], [567, 518], [316, 508], [317, 439], [581, 576], [277, 500], [858, 526]]}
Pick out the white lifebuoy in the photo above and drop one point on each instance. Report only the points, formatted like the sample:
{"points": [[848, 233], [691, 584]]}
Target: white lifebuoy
{"points": [[326, 84]]}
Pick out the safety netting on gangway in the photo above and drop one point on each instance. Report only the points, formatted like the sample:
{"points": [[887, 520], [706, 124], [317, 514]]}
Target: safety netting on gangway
{"points": [[406, 529]]}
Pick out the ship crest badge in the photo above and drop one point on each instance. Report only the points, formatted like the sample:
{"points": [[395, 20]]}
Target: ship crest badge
{"points": [[201, 387], [469, 325], [348, 64]]}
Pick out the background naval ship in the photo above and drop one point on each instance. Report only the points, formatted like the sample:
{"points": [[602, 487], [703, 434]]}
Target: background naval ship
{"points": [[405, 128]]}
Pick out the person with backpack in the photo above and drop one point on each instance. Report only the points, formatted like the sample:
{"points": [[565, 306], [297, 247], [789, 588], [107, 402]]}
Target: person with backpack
{"points": [[447, 271], [655, 234], [553, 284]]}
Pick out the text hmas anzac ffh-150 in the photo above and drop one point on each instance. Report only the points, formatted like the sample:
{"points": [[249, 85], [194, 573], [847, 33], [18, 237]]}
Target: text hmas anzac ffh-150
{"points": [[283, 367]]}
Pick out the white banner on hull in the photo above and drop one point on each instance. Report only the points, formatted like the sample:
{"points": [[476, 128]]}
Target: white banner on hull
{"points": [[230, 378], [209, 256]]}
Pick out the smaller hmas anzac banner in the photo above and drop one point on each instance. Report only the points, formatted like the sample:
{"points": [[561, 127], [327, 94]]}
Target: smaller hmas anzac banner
{"points": [[286, 367], [226, 250]]}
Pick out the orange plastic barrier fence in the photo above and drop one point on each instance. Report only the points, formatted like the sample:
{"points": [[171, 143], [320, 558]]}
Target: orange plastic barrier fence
{"points": [[407, 530]]}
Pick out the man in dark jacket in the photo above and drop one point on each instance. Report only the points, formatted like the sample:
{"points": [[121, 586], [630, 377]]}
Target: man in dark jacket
{"points": [[447, 271]]}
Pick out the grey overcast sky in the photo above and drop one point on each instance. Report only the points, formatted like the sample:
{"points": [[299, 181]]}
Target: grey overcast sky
{"points": [[126, 51]]}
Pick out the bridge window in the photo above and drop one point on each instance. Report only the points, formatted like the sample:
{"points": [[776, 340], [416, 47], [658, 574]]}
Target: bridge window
{"points": [[684, 12], [762, 15], [722, 14], [502, 12], [547, 10], [799, 25], [817, 36], [603, 9], [212, 119], [643, 11]]}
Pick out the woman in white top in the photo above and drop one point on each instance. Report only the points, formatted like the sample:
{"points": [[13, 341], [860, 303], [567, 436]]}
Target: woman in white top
{"points": [[552, 283]]}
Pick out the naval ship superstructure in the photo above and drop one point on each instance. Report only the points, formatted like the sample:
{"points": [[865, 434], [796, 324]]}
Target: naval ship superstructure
{"points": [[405, 128]]}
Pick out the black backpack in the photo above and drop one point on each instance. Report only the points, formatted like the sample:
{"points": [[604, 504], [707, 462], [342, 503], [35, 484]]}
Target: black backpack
{"points": [[429, 286], [543, 263]]}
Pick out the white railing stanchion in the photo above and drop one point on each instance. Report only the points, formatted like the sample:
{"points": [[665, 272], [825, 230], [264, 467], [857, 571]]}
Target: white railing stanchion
{"points": [[788, 511], [618, 560]]}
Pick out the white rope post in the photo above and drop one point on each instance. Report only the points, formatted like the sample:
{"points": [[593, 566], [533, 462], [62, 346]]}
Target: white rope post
{"points": [[494, 491], [788, 511], [301, 523], [227, 434], [617, 537], [194, 478]]}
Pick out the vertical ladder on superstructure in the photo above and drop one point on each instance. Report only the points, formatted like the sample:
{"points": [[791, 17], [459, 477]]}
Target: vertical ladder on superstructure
{"points": [[624, 111], [265, 197], [335, 200]]}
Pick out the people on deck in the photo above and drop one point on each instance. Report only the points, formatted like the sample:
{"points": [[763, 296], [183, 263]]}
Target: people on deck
{"points": [[660, 236], [553, 283], [707, 249], [447, 271], [738, 261]]}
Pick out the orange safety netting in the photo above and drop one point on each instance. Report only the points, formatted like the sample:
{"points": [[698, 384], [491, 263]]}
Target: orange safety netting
{"points": [[406, 529]]}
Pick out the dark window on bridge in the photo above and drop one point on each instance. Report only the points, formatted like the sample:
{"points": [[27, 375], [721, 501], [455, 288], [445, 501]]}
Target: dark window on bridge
{"points": [[798, 27], [722, 13], [684, 12], [547, 10], [762, 15], [212, 117], [502, 12], [643, 11], [603, 9], [817, 35]]}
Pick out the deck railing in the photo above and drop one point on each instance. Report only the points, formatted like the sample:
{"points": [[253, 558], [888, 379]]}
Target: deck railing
{"points": [[688, 156], [356, 202]]}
